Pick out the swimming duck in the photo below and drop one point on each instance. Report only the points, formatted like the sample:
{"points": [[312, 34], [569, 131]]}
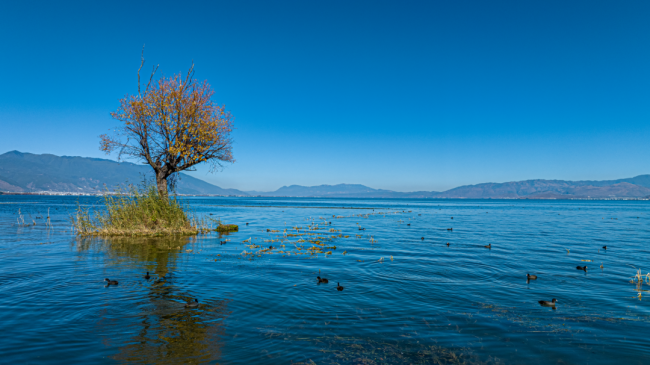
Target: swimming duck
{"points": [[422, 238], [246, 223], [546, 303], [488, 246], [110, 282], [447, 244], [192, 304], [362, 229], [604, 247], [323, 280], [409, 224], [531, 277], [339, 287], [450, 229], [582, 268], [147, 276]]}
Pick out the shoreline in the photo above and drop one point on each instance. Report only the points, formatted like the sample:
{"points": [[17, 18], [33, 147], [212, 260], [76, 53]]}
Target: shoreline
{"points": [[54, 193]]}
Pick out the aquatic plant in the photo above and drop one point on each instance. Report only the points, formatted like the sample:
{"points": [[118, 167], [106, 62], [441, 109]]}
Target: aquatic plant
{"points": [[140, 212], [227, 228], [639, 279]]}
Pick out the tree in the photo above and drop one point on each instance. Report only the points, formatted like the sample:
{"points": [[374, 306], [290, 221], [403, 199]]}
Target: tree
{"points": [[173, 126]]}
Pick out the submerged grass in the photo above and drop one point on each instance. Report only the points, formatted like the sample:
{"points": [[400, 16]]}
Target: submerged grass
{"points": [[140, 212]]}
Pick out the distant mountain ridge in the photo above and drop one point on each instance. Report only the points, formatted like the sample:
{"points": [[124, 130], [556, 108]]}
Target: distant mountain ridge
{"points": [[636, 187], [26, 172]]}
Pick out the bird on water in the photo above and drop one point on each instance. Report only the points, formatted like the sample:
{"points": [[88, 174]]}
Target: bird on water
{"points": [[110, 282], [322, 280], [546, 303], [488, 246], [339, 287], [192, 304], [584, 268], [147, 276], [531, 277]]}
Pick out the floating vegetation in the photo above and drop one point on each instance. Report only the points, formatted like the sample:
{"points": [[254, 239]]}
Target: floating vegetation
{"points": [[352, 350], [227, 228]]}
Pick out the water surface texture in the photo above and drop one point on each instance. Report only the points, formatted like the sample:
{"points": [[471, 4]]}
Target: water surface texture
{"points": [[407, 296]]}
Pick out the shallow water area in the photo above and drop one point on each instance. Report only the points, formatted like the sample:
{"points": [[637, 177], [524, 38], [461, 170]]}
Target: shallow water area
{"points": [[407, 296]]}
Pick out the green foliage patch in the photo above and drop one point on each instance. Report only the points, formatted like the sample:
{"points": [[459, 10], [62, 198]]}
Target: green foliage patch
{"points": [[140, 212]]}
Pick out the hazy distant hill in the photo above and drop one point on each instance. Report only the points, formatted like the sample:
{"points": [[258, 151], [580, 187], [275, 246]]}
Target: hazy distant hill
{"points": [[340, 190], [622, 188], [636, 187], [26, 172]]}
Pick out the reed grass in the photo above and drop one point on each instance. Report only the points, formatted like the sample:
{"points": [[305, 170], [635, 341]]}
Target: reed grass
{"points": [[140, 212]]}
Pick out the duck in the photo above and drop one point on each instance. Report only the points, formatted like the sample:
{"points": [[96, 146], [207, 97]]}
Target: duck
{"points": [[322, 280], [582, 268], [450, 229], [447, 244], [110, 282], [488, 246], [246, 223], [546, 303], [531, 277], [604, 247], [192, 304], [147, 276], [422, 238], [339, 287], [409, 224], [362, 229]]}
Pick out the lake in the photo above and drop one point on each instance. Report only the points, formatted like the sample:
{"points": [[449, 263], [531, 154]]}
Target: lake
{"points": [[407, 296]]}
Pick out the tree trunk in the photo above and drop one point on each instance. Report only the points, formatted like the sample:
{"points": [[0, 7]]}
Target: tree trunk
{"points": [[161, 181]]}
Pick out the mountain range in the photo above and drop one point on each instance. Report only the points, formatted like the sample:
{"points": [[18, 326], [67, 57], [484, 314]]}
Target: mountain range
{"points": [[25, 172]]}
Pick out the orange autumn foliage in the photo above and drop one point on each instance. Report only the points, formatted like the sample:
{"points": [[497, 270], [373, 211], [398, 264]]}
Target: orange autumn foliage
{"points": [[173, 126]]}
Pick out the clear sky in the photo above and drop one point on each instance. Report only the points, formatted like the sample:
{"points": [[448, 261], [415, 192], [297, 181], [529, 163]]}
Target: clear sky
{"points": [[401, 95]]}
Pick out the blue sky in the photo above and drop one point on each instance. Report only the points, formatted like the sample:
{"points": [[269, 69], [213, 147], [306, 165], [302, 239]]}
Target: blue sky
{"points": [[396, 95]]}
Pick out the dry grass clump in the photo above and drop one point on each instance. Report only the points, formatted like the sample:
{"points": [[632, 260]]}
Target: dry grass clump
{"points": [[227, 228], [140, 212]]}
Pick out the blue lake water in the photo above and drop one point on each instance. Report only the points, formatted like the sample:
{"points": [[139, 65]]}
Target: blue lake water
{"points": [[405, 299]]}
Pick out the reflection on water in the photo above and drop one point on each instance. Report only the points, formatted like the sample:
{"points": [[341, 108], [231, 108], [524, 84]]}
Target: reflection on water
{"points": [[157, 253], [172, 334], [168, 332]]}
